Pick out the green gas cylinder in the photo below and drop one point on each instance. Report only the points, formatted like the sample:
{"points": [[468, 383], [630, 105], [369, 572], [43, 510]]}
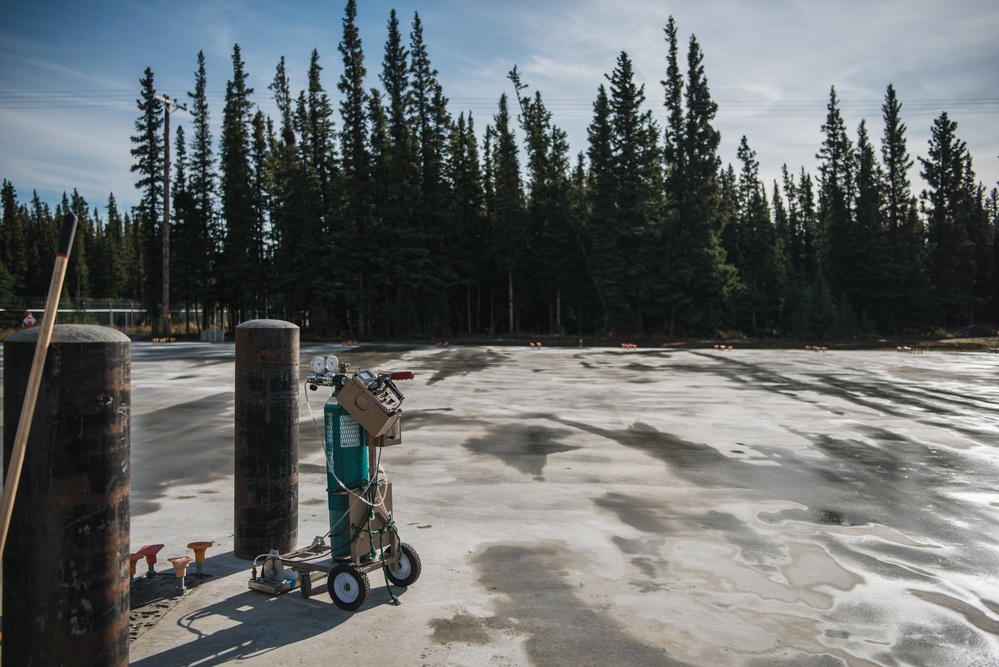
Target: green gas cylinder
{"points": [[346, 461]]}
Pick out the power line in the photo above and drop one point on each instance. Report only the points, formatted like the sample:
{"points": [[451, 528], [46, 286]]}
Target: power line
{"points": [[568, 107]]}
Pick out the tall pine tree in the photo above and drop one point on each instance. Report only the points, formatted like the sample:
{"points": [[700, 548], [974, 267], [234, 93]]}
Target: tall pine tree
{"points": [[699, 277], [432, 127], [400, 185], [239, 260], [506, 208], [838, 240], [951, 258], [635, 170], [549, 241], [870, 270], [353, 231], [204, 237], [148, 154], [904, 229]]}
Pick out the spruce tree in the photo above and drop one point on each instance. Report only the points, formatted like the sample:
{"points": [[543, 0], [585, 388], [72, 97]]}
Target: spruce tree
{"points": [[992, 211], [605, 257], [432, 127], [493, 241], [871, 270], [13, 264], [400, 184], [319, 204], [980, 234], [260, 186], [183, 260], [77, 283], [549, 242], [237, 197], [758, 263], [635, 156], [297, 228], [13, 239], [468, 216], [507, 208], [135, 261], [905, 233], [204, 236], [838, 247], [381, 239], [148, 154], [352, 233], [951, 262], [319, 140], [119, 252], [699, 277], [42, 237]]}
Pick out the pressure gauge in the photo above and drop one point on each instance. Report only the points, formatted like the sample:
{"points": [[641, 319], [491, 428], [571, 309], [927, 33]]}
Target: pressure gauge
{"points": [[332, 364], [318, 364]]}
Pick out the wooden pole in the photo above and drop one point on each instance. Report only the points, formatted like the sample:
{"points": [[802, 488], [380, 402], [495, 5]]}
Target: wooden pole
{"points": [[35, 377], [165, 326]]}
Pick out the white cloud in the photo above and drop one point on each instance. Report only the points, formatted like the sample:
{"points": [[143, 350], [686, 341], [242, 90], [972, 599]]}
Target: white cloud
{"points": [[56, 157], [769, 65]]}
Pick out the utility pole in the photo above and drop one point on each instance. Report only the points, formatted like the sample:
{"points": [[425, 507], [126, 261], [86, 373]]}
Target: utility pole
{"points": [[165, 306]]}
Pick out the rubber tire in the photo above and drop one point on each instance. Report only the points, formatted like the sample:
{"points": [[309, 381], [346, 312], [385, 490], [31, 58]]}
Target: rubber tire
{"points": [[348, 586], [410, 566], [305, 581]]}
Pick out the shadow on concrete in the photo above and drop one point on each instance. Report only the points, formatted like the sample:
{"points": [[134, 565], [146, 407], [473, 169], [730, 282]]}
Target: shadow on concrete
{"points": [[246, 625], [251, 623]]}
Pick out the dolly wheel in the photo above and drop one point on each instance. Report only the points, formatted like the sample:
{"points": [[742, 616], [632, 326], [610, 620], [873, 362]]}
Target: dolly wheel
{"points": [[409, 566], [305, 581], [348, 586]]}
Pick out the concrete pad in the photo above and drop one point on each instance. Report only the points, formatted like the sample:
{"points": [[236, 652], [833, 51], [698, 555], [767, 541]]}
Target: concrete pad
{"points": [[603, 506]]}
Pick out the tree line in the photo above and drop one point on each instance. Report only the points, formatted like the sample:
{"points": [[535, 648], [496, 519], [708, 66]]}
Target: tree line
{"points": [[390, 217]]}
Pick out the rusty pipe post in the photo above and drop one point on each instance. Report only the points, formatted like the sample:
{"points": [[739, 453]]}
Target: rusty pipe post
{"points": [[66, 566], [266, 438]]}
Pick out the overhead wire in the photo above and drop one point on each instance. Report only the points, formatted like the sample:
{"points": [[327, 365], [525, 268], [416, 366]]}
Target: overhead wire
{"points": [[561, 107]]}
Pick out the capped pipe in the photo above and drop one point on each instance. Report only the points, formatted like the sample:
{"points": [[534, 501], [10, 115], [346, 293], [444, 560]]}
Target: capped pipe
{"points": [[66, 564], [180, 571], [266, 438], [199, 549], [149, 553]]}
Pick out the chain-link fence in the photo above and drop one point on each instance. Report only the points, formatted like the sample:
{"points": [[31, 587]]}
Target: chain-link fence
{"points": [[129, 317], [126, 316]]}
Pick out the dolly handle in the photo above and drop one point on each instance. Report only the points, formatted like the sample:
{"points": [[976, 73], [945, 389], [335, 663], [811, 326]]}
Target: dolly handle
{"points": [[35, 377], [402, 375]]}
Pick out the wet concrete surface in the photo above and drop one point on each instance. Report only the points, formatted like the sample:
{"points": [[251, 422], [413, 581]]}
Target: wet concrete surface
{"points": [[599, 506]]}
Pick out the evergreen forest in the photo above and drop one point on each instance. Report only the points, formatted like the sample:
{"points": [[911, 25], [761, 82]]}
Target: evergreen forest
{"points": [[385, 215]]}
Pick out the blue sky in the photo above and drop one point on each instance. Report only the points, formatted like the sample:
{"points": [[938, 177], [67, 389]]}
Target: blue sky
{"points": [[69, 71]]}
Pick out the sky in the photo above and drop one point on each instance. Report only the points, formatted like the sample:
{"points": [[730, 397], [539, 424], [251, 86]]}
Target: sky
{"points": [[70, 71]]}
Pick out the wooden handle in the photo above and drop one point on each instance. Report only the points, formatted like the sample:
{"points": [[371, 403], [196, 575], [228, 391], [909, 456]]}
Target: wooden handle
{"points": [[35, 378]]}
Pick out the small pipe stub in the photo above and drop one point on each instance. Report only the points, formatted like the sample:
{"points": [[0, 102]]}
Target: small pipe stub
{"points": [[132, 560], [180, 565], [150, 551], [180, 571], [199, 554]]}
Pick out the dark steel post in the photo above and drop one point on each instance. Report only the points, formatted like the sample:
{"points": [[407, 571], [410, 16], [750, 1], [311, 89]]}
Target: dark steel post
{"points": [[66, 564], [266, 447]]}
